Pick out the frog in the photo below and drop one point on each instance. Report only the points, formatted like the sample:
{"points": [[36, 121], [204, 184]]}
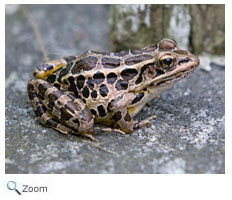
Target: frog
{"points": [[75, 93]]}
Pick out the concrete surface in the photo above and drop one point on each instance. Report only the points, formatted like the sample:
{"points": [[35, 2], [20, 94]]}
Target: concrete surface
{"points": [[187, 137]]}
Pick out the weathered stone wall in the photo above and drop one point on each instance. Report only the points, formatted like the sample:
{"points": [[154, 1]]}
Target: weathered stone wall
{"points": [[208, 28], [201, 28]]}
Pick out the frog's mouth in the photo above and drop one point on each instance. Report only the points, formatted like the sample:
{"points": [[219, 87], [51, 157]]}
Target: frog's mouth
{"points": [[184, 67]]}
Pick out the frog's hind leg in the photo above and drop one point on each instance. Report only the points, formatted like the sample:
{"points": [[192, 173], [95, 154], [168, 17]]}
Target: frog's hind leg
{"points": [[43, 115], [59, 110]]}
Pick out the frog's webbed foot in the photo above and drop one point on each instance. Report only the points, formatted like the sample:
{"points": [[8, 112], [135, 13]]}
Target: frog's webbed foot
{"points": [[90, 137]]}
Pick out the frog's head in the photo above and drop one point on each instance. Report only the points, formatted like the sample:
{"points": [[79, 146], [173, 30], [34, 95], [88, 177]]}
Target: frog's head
{"points": [[172, 63]]}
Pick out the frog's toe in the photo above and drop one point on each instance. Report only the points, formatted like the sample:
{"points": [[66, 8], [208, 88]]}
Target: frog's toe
{"points": [[111, 130], [146, 122]]}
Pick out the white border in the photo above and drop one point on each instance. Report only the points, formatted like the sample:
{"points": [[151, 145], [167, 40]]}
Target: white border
{"points": [[124, 186]]}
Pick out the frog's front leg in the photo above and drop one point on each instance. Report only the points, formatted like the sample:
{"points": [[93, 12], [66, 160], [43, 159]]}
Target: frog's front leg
{"points": [[121, 114], [58, 109]]}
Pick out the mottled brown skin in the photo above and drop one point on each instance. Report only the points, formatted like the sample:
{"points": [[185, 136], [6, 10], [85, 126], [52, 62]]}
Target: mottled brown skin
{"points": [[72, 93]]}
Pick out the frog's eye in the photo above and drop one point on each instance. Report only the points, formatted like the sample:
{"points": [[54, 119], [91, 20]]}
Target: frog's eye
{"points": [[167, 61]]}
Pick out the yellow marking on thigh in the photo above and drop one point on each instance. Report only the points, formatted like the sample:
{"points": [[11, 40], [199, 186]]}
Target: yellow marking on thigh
{"points": [[44, 74], [135, 109]]}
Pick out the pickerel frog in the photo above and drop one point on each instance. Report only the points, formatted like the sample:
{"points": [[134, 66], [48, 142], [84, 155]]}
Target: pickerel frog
{"points": [[72, 93]]}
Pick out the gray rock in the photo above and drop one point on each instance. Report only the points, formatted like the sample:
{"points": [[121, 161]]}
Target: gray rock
{"points": [[187, 136]]}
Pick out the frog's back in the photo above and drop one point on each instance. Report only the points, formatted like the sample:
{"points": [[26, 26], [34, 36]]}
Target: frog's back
{"points": [[108, 73], [93, 61]]}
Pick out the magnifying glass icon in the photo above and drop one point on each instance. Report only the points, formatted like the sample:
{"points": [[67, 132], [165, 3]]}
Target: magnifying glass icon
{"points": [[11, 185]]}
